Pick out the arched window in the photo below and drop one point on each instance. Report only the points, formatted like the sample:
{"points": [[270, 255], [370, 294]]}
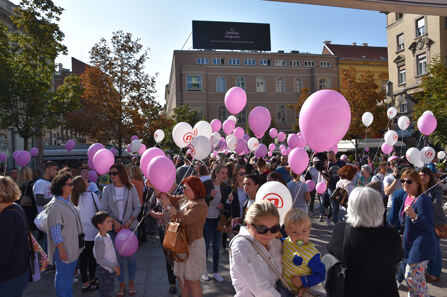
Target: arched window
{"points": [[280, 85], [298, 85], [242, 116], [240, 82], [260, 84], [281, 114], [222, 113], [220, 85]]}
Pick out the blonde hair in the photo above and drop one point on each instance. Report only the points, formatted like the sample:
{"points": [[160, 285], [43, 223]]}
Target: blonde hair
{"points": [[296, 216], [135, 172], [9, 191], [25, 176], [260, 209]]}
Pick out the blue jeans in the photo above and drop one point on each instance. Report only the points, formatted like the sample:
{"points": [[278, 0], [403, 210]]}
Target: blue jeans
{"points": [[14, 287], [435, 264], [210, 231], [322, 208], [63, 280], [335, 207], [131, 263]]}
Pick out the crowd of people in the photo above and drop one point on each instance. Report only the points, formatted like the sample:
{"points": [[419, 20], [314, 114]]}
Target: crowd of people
{"points": [[387, 222]]}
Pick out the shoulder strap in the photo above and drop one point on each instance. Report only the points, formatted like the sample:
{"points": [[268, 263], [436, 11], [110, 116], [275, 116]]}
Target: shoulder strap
{"points": [[93, 198], [344, 253], [22, 214]]}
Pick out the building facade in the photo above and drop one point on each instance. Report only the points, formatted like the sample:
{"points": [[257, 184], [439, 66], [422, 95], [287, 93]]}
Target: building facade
{"points": [[274, 80]]}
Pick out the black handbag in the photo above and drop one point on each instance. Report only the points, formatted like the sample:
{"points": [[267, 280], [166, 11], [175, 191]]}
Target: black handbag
{"points": [[336, 274], [340, 195]]}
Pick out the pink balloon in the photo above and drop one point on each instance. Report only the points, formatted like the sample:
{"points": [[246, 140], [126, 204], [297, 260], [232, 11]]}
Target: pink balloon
{"points": [[310, 184], [215, 125], [14, 154], [240, 147], [235, 100], [281, 136], [3, 157], [334, 149], [228, 126], [273, 132], [301, 140], [226, 151], [292, 140], [134, 137], [246, 137], [92, 176], [238, 132], [34, 151], [261, 151], [321, 187], [147, 157], [103, 160], [427, 123], [288, 150], [298, 160], [259, 120], [367, 149], [23, 158], [272, 147], [126, 243], [90, 164], [142, 149], [386, 148], [283, 152], [282, 147], [113, 150], [324, 119], [93, 149], [128, 148], [269, 154], [161, 173], [70, 144]]}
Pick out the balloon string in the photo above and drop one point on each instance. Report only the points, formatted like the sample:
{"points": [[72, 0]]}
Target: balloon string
{"points": [[186, 172], [381, 142], [445, 178], [364, 145], [299, 189]]}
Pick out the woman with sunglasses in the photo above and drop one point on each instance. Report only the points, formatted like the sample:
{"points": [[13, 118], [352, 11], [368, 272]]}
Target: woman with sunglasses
{"points": [[436, 195], [120, 199], [65, 233], [237, 198], [251, 275], [419, 235]]}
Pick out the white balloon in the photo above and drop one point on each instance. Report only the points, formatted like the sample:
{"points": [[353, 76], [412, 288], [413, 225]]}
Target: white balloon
{"points": [[387, 100], [215, 138], [203, 128], [391, 137], [159, 135], [253, 144], [441, 155], [419, 164], [233, 118], [200, 147], [278, 194], [403, 122], [429, 112], [135, 145], [182, 134], [367, 119], [391, 112], [413, 155], [232, 143], [427, 154]]}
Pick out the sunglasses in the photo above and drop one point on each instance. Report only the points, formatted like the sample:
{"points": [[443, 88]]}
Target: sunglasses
{"points": [[242, 173], [408, 181], [69, 184], [263, 229], [114, 173]]}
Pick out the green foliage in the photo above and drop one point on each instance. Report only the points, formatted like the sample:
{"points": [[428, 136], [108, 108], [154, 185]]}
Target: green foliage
{"points": [[434, 98]]}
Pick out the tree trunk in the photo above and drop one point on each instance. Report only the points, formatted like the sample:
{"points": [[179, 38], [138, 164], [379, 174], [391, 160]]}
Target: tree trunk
{"points": [[25, 142], [120, 145]]}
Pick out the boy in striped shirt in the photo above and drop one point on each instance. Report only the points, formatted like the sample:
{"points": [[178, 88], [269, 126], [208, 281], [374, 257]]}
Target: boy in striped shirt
{"points": [[302, 267]]}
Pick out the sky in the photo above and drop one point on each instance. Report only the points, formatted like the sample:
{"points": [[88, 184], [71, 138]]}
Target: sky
{"points": [[164, 25]]}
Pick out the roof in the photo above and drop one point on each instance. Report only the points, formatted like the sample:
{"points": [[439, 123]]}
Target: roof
{"points": [[361, 52]]}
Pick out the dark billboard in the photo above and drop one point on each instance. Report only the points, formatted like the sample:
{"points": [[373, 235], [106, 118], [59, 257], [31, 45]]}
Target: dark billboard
{"points": [[230, 35]]}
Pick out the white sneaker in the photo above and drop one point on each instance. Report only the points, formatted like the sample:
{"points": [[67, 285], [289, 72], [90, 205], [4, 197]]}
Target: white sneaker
{"points": [[75, 280], [205, 277], [218, 277]]}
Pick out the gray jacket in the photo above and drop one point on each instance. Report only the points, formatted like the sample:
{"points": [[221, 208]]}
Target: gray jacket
{"points": [[132, 206]]}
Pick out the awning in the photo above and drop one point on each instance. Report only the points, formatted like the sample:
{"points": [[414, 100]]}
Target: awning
{"points": [[348, 145]]}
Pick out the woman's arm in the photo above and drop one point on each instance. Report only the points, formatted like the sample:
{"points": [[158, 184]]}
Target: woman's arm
{"points": [[424, 211]]}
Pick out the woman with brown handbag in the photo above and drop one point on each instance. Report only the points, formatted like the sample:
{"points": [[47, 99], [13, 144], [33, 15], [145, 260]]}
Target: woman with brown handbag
{"points": [[190, 210]]}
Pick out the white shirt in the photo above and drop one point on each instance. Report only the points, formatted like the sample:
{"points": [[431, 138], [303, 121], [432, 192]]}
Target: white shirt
{"points": [[314, 173], [43, 187], [250, 274], [213, 211], [242, 197], [120, 202], [388, 180], [87, 210]]}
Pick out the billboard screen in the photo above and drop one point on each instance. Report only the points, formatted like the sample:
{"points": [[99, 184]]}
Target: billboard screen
{"points": [[230, 35]]}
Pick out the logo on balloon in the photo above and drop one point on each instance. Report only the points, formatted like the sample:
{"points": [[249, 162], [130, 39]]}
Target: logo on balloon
{"points": [[275, 199], [395, 137], [193, 151], [256, 145], [429, 154], [187, 137], [195, 131]]}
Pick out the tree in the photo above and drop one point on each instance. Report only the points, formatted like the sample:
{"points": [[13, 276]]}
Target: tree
{"points": [[27, 56], [434, 97], [118, 98]]}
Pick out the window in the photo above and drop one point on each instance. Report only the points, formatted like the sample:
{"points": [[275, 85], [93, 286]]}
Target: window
{"points": [[220, 85], [420, 27], [298, 85], [234, 61], [203, 61], [325, 64], [280, 63], [309, 64], [280, 85], [250, 61], [404, 107], [322, 84], [264, 62], [240, 82], [242, 116], [400, 42], [421, 64], [194, 83], [402, 76], [222, 113], [281, 114], [399, 15], [294, 63], [218, 61], [260, 84]]}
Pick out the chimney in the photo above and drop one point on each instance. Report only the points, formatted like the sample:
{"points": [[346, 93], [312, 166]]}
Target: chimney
{"points": [[327, 42], [354, 43], [365, 44]]}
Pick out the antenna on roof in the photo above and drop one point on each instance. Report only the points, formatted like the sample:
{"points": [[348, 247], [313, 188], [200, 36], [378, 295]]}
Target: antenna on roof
{"points": [[186, 40]]}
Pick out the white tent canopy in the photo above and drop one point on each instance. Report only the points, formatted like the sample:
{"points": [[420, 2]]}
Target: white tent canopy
{"points": [[348, 145]]}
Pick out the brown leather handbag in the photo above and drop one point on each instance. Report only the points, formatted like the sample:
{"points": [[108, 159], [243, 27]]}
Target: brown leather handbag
{"points": [[224, 224], [175, 241]]}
